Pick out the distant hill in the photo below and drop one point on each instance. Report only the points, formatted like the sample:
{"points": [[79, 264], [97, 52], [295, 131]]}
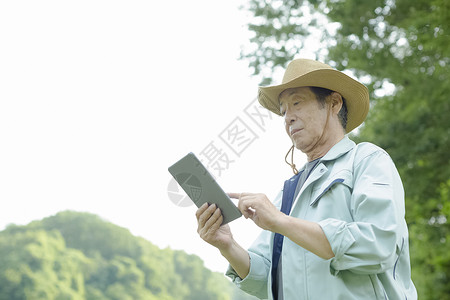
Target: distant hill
{"points": [[75, 255]]}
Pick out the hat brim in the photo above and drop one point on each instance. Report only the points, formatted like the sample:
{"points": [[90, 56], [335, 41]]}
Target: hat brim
{"points": [[354, 92]]}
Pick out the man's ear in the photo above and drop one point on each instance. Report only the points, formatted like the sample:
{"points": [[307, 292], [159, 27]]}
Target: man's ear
{"points": [[336, 102]]}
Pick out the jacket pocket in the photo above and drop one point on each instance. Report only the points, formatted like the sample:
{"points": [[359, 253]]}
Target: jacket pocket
{"points": [[343, 177]]}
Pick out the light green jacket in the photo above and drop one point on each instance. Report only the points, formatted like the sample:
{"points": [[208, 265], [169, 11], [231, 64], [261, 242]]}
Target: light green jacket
{"points": [[357, 197]]}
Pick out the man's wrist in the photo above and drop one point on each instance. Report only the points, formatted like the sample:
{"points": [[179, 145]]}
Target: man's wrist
{"points": [[282, 223], [228, 249], [238, 258]]}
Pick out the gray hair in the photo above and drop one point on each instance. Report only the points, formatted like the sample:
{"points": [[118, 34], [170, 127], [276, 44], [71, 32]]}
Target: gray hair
{"points": [[322, 94]]}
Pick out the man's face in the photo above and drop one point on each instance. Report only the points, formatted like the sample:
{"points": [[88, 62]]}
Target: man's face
{"points": [[305, 118]]}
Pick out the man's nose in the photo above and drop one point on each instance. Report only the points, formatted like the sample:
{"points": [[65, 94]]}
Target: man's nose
{"points": [[289, 117]]}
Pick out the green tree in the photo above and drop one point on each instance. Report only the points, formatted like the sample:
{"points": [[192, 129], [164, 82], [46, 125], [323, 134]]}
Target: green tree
{"points": [[384, 42], [37, 265], [280, 31], [200, 280], [80, 256]]}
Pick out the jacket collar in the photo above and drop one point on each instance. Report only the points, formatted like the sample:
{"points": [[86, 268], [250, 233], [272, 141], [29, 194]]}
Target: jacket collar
{"points": [[342, 147]]}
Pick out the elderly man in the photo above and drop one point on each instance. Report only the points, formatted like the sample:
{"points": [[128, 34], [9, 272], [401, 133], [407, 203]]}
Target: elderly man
{"points": [[337, 229]]}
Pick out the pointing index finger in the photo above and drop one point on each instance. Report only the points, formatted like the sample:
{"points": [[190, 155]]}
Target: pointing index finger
{"points": [[234, 195]]}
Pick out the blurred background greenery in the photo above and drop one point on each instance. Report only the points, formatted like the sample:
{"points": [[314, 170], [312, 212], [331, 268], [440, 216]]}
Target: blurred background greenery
{"points": [[75, 255], [398, 48]]}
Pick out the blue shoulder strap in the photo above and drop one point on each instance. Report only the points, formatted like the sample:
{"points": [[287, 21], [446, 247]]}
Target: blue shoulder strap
{"points": [[288, 198]]}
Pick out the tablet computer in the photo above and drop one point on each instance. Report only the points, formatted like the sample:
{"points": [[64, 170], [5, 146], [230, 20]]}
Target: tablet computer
{"points": [[201, 186]]}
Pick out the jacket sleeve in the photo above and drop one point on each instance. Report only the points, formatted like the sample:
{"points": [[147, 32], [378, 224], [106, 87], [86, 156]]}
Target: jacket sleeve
{"points": [[260, 253], [255, 283], [368, 244]]}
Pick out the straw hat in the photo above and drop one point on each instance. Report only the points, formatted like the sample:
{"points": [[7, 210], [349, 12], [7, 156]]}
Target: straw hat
{"points": [[306, 72]]}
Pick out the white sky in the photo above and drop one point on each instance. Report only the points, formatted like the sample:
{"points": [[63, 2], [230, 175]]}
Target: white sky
{"points": [[98, 98]]}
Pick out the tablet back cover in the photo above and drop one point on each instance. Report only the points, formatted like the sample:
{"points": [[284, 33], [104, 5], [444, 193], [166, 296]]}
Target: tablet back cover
{"points": [[201, 187]]}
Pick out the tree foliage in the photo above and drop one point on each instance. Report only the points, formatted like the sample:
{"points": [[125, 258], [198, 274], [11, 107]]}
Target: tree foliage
{"points": [[385, 43], [80, 256]]}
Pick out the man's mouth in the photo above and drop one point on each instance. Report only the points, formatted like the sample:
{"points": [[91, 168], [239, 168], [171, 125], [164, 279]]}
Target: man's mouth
{"points": [[293, 131]]}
